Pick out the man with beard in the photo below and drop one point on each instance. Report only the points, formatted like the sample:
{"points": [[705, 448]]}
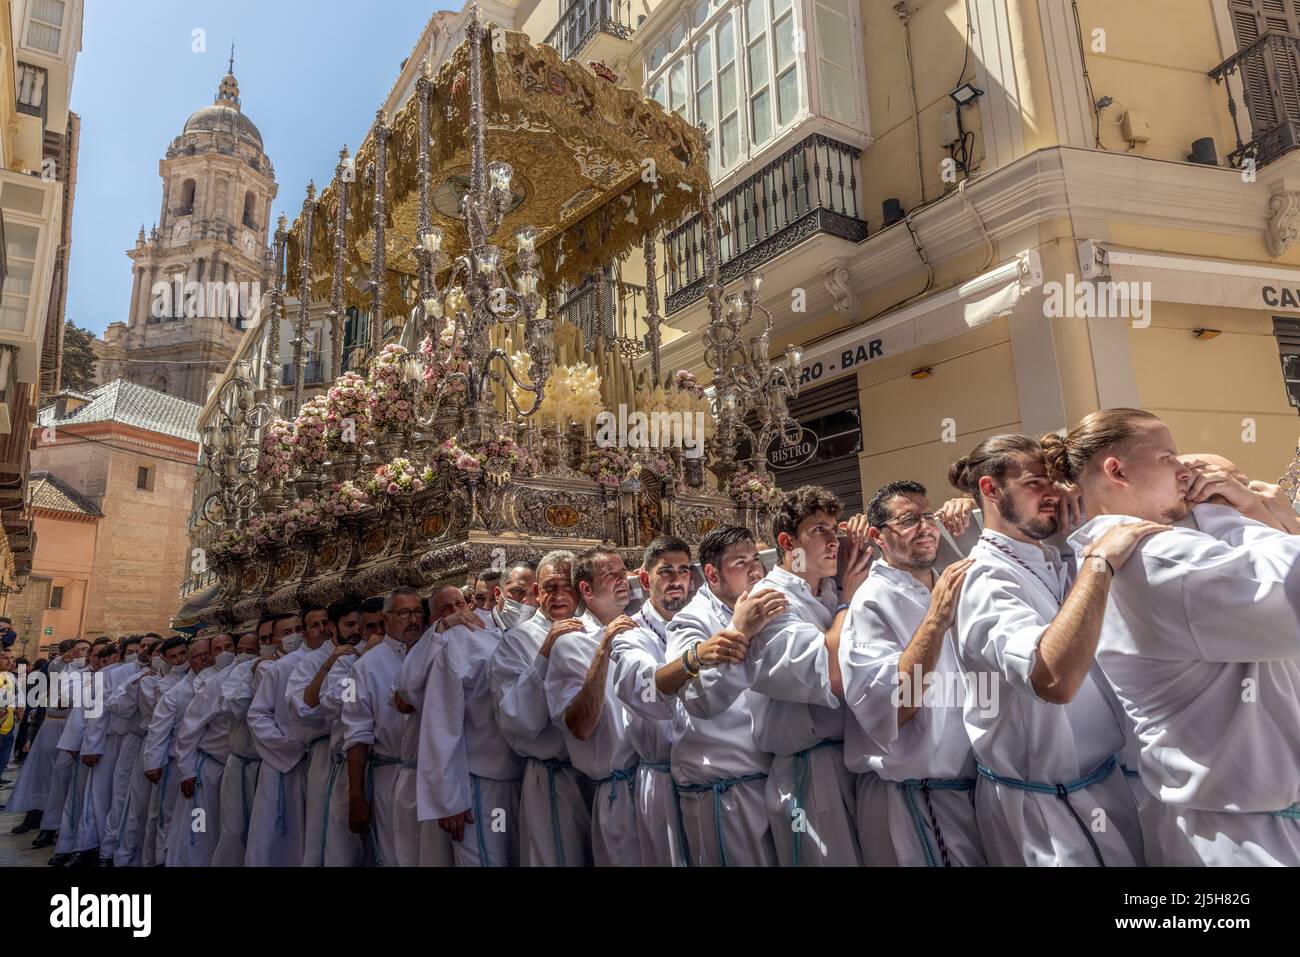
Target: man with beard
{"points": [[719, 771], [319, 713], [373, 727], [158, 754], [100, 747], [1048, 792], [554, 813], [798, 712], [1199, 640], [580, 695], [372, 618], [647, 685], [276, 831], [903, 690], [243, 766]]}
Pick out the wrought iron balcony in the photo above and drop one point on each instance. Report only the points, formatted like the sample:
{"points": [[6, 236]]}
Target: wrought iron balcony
{"points": [[313, 372], [1269, 72], [810, 188], [606, 307], [586, 18]]}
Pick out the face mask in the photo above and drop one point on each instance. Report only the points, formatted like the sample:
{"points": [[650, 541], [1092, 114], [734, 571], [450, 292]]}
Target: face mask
{"points": [[290, 642], [267, 650], [156, 663], [245, 656], [225, 660], [514, 613]]}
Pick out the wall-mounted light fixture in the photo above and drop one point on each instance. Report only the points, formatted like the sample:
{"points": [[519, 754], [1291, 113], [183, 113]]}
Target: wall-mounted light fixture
{"points": [[966, 94], [1207, 333], [922, 373]]}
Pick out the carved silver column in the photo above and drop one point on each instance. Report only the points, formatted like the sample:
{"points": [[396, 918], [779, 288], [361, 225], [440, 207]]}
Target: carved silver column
{"points": [[336, 279], [380, 250], [272, 357], [304, 297], [652, 318]]}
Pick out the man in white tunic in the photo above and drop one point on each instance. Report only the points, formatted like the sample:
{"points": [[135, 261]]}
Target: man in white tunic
{"points": [[580, 695], [647, 685], [135, 699], [202, 748], [904, 692], [468, 776], [1049, 790], [720, 773], [159, 756], [87, 698], [373, 727], [554, 808], [102, 751], [422, 842], [243, 766], [65, 678], [276, 829], [320, 636], [1200, 641], [798, 713]]}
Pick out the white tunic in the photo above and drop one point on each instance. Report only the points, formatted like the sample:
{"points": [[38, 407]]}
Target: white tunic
{"points": [[1002, 612], [1202, 644], [421, 844], [894, 823], [277, 824]]}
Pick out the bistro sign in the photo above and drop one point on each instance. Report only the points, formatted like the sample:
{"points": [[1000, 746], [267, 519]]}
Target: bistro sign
{"points": [[782, 456]]}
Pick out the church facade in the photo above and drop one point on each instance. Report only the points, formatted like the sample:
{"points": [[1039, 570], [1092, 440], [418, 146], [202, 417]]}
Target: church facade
{"points": [[199, 274]]}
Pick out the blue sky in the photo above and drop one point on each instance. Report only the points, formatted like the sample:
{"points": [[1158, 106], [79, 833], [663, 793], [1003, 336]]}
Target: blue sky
{"points": [[311, 75]]}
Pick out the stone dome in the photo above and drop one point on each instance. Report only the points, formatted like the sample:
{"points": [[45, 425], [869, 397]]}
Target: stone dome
{"points": [[224, 116]]}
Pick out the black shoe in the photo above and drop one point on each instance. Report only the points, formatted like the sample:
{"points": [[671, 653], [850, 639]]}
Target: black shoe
{"points": [[30, 823], [88, 858], [61, 860], [105, 862], [45, 839]]}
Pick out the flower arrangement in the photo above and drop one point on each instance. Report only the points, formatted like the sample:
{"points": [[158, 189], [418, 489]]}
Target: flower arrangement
{"points": [[447, 456], [682, 400], [498, 458], [442, 358], [348, 401], [606, 466], [265, 529], [748, 489], [308, 439], [400, 476], [231, 542], [686, 382], [572, 393], [275, 451], [345, 498], [390, 403], [654, 464]]}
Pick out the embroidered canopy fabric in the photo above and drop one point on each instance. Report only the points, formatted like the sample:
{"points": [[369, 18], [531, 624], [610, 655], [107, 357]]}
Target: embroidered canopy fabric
{"points": [[596, 166]]}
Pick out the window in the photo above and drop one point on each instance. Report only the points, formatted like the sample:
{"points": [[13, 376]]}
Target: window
{"points": [[56, 596], [835, 60], [144, 478], [31, 89], [21, 242], [1287, 333], [734, 67], [187, 198], [45, 26]]}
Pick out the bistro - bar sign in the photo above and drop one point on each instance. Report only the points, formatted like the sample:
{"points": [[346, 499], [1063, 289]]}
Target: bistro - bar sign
{"points": [[782, 456]]}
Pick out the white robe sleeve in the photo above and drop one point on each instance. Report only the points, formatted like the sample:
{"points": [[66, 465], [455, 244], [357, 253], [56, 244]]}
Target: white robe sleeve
{"points": [[714, 690], [442, 771], [202, 709], [92, 741], [566, 674], [519, 691], [634, 675], [125, 699], [236, 693], [999, 629], [793, 662], [276, 748], [154, 754], [73, 729], [358, 715], [869, 657]]}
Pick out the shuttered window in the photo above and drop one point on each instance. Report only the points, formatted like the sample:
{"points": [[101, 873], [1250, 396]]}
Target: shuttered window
{"points": [[1287, 332], [1270, 104]]}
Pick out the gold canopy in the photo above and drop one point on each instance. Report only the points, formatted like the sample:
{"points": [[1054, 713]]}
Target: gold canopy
{"points": [[582, 150]]}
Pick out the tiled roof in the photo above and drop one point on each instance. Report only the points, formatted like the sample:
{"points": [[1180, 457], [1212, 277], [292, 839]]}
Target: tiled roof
{"points": [[45, 490], [132, 404]]}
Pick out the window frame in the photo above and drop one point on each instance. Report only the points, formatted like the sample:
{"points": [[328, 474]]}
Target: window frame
{"points": [[145, 472], [56, 598], [61, 28]]}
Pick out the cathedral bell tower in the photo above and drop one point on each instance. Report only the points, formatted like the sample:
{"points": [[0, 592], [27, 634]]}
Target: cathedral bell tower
{"points": [[199, 274]]}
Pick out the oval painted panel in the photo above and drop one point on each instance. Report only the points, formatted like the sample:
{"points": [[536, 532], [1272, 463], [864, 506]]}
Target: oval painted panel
{"points": [[561, 516], [706, 525], [432, 525]]}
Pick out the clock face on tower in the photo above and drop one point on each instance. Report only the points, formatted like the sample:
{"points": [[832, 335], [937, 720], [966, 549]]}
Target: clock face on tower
{"points": [[248, 242], [181, 231]]}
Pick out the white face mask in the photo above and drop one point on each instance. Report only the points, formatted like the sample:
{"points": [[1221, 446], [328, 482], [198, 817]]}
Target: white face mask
{"points": [[267, 650], [514, 613], [156, 663], [291, 641], [225, 660], [245, 656]]}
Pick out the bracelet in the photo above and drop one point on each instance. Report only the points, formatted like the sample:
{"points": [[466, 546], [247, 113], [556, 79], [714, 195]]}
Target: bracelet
{"points": [[686, 663], [1104, 559], [842, 606], [695, 652]]}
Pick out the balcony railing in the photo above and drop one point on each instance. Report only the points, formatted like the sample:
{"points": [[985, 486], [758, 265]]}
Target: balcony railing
{"points": [[603, 306], [1269, 71], [312, 374], [810, 188], [585, 18]]}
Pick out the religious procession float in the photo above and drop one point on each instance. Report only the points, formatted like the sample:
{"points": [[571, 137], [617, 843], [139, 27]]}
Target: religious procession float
{"points": [[490, 428]]}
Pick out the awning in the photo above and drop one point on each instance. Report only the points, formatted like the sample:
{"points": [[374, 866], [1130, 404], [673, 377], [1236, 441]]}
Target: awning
{"points": [[991, 295], [1201, 282], [192, 611]]}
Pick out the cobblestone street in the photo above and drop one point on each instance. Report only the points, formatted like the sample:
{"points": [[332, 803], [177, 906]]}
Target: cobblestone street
{"points": [[16, 849]]}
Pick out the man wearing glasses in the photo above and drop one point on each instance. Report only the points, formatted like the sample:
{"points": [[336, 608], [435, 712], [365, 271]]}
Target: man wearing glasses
{"points": [[903, 688]]}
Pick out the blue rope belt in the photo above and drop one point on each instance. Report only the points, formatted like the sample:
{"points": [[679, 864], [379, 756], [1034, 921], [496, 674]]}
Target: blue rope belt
{"points": [[910, 787], [667, 768], [162, 795], [243, 789], [281, 810], [554, 766], [198, 785], [802, 768], [336, 763], [372, 762], [1062, 791], [627, 774], [478, 824], [719, 788], [1292, 812]]}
